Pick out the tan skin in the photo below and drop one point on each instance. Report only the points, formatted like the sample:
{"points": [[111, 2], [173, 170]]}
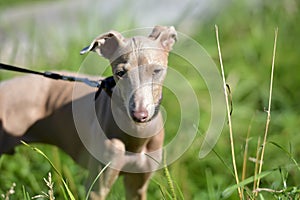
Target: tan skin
{"points": [[130, 122]]}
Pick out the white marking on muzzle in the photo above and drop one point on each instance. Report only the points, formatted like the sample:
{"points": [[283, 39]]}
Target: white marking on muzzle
{"points": [[142, 106]]}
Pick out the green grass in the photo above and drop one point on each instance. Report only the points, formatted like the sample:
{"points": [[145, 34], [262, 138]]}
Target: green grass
{"points": [[246, 37]]}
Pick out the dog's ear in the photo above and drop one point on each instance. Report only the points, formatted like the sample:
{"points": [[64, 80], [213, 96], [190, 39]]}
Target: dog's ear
{"points": [[106, 44], [167, 36]]}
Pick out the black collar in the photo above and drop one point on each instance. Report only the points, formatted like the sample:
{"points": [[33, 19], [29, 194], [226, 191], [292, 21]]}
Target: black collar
{"points": [[107, 85]]}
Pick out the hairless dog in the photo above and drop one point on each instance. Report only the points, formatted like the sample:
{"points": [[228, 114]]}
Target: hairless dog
{"points": [[120, 125]]}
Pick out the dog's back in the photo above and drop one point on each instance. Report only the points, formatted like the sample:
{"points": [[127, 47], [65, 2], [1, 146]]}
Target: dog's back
{"points": [[26, 100]]}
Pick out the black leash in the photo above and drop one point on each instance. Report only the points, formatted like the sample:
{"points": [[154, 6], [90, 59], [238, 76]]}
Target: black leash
{"points": [[51, 75], [106, 84], [17, 69]]}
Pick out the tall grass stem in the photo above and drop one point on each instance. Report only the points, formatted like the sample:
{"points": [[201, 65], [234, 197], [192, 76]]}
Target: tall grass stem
{"points": [[228, 115], [95, 180], [245, 156], [269, 107], [257, 161], [169, 178]]}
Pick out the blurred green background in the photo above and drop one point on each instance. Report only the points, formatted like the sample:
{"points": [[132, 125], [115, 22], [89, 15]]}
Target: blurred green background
{"points": [[48, 35]]}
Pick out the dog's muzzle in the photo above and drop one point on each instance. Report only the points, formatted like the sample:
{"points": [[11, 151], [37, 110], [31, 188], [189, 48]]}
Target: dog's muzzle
{"points": [[142, 115]]}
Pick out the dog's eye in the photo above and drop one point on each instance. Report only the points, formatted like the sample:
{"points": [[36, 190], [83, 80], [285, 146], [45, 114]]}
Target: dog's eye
{"points": [[156, 71], [120, 73]]}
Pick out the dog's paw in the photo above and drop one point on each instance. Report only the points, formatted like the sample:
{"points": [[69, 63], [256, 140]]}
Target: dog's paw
{"points": [[114, 151], [114, 147]]}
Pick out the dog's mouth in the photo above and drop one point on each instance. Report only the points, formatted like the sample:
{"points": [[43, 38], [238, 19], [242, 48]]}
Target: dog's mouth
{"points": [[143, 115]]}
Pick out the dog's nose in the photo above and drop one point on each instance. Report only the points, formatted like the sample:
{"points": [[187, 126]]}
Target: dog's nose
{"points": [[140, 115]]}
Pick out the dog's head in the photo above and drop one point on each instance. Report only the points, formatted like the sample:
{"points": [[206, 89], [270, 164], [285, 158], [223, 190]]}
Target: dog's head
{"points": [[139, 67]]}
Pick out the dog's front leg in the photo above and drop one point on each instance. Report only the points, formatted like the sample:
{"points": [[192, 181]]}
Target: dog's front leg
{"points": [[136, 185], [115, 154]]}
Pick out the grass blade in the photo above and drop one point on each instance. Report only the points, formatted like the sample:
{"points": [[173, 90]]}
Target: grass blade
{"points": [[163, 190], [228, 191], [288, 153], [210, 185], [25, 194], [71, 196], [169, 178], [179, 190], [95, 180], [63, 192]]}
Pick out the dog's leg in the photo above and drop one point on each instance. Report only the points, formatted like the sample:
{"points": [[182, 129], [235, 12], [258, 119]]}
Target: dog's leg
{"points": [[115, 154], [136, 185], [7, 142]]}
